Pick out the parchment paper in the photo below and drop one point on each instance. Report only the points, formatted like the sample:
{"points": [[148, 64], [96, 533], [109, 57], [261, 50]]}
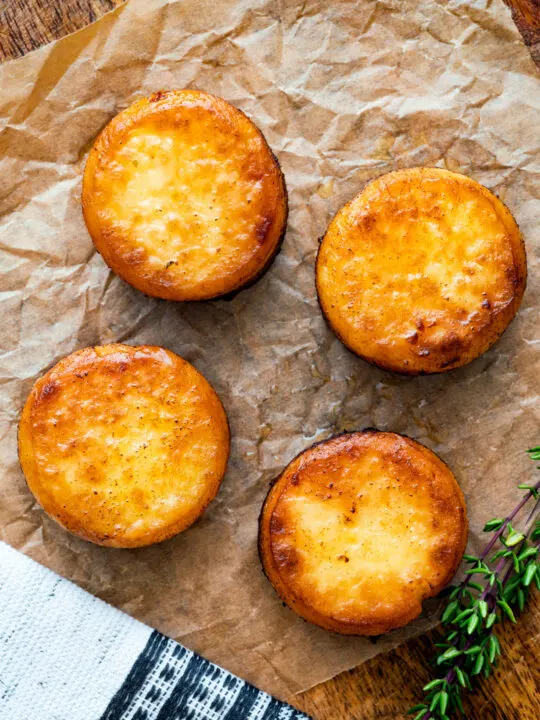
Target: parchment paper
{"points": [[344, 91]]}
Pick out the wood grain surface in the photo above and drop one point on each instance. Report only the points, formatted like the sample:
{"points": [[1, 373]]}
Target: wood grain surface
{"points": [[526, 14], [385, 687]]}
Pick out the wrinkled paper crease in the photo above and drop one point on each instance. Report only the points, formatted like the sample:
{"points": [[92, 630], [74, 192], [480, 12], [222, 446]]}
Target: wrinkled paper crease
{"points": [[344, 91]]}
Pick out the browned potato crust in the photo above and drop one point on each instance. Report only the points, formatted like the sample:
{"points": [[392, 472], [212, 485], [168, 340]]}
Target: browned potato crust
{"points": [[123, 446], [183, 197], [360, 529], [422, 271]]}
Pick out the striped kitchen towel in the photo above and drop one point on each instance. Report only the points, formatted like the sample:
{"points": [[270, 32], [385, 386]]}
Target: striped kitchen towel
{"points": [[65, 655]]}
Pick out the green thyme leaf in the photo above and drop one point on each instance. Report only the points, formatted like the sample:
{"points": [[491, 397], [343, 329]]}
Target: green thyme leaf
{"points": [[448, 655], [461, 677], [433, 684], [529, 552], [513, 538], [435, 702], [529, 574], [496, 586], [505, 607], [483, 607], [463, 615], [490, 620], [494, 648], [495, 524], [443, 702], [476, 586], [472, 624], [530, 488], [450, 611], [478, 664], [501, 553]]}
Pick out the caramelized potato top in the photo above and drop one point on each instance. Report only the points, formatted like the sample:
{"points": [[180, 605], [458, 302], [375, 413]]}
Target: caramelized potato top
{"points": [[422, 271], [360, 529], [183, 197], [123, 446]]}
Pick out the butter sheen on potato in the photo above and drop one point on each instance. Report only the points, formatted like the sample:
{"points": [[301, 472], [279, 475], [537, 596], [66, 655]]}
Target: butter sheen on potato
{"points": [[360, 529], [183, 197], [422, 271], [123, 446]]}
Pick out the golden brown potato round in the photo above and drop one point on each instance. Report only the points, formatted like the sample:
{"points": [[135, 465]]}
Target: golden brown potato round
{"points": [[360, 529], [183, 197], [422, 271], [123, 446]]}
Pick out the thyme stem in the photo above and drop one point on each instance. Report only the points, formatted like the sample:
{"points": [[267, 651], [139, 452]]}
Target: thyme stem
{"points": [[470, 645]]}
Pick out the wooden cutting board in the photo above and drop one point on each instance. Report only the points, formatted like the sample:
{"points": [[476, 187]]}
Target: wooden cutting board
{"points": [[385, 687]]}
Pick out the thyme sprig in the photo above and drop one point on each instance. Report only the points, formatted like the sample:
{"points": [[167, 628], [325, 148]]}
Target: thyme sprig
{"points": [[495, 588]]}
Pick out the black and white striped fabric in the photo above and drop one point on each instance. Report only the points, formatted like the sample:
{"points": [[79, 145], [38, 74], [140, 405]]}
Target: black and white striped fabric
{"points": [[168, 681], [65, 655]]}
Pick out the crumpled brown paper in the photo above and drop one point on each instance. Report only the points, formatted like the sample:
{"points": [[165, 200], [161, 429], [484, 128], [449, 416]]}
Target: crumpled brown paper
{"points": [[343, 91]]}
